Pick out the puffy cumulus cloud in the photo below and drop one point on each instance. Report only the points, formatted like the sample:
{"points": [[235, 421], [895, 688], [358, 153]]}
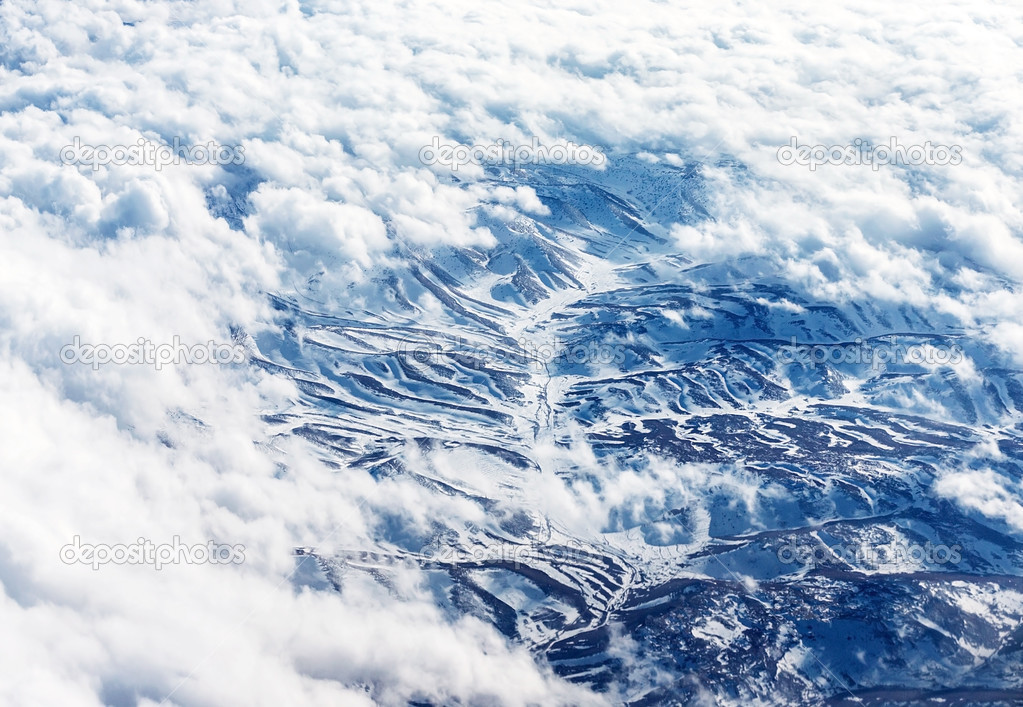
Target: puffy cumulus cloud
{"points": [[605, 499], [507, 203], [139, 208], [1009, 336], [985, 492], [297, 220], [331, 103]]}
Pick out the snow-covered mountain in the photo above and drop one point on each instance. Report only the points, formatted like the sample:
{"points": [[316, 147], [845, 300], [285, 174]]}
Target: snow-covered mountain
{"points": [[780, 474]]}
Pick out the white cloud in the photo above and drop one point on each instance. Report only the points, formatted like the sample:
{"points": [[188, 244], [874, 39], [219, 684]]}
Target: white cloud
{"points": [[986, 492]]}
